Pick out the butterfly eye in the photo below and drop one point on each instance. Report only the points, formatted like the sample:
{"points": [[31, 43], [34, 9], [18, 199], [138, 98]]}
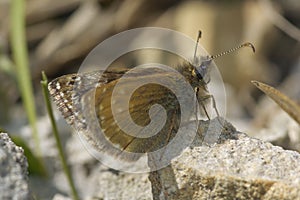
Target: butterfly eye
{"points": [[202, 71], [202, 66]]}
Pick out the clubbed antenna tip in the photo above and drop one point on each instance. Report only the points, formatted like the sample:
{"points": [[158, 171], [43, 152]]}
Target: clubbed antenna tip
{"points": [[246, 44]]}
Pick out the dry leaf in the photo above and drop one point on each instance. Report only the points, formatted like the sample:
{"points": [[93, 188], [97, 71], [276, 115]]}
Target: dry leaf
{"points": [[288, 105]]}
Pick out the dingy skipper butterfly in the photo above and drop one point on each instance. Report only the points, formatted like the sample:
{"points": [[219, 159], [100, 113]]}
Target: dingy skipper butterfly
{"points": [[85, 101]]}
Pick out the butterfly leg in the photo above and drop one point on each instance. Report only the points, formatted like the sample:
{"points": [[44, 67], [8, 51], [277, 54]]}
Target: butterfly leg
{"points": [[214, 105], [196, 111], [201, 101], [204, 108]]}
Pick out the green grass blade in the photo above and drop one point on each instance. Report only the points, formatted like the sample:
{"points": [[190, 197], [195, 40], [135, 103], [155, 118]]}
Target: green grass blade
{"points": [[20, 57], [63, 159]]}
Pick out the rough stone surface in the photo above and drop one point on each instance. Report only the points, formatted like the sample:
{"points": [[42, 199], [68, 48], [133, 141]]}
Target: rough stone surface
{"points": [[235, 167], [274, 125], [60, 197], [94, 180], [13, 170], [121, 185]]}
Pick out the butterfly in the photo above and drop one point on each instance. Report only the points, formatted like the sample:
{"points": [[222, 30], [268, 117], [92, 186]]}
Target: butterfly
{"points": [[86, 101]]}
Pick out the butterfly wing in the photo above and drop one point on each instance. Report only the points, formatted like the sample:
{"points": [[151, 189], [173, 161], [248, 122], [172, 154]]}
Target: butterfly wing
{"points": [[86, 103], [67, 92], [141, 101]]}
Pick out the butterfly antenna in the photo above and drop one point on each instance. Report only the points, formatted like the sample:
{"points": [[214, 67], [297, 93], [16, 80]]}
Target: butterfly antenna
{"points": [[246, 44], [197, 42]]}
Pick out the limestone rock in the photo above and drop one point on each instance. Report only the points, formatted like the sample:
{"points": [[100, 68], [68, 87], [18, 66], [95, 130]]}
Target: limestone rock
{"points": [[235, 167], [13, 170]]}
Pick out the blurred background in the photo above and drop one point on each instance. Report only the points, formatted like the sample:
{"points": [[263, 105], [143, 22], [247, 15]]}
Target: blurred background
{"points": [[59, 34]]}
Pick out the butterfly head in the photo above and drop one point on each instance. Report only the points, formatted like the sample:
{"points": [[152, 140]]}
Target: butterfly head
{"points": [[202, 64], [202, 67]]}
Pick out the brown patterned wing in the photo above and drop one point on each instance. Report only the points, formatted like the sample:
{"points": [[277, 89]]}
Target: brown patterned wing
{"points": [[87, 103]]}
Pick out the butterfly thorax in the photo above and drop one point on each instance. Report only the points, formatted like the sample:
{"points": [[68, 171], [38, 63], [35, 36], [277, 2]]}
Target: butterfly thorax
{"points": [[189, 71]]}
